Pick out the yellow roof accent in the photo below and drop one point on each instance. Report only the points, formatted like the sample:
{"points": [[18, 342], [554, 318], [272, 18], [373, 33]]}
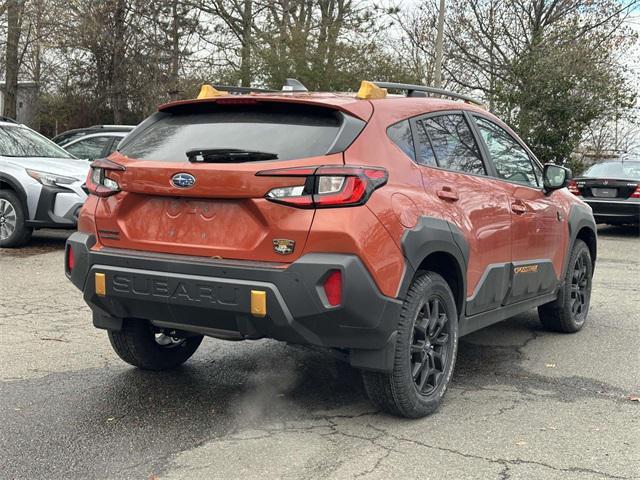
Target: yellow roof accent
{"points": [[207, 91], [370, 91]]}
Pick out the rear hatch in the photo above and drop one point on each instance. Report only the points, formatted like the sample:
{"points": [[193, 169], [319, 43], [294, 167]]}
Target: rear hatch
{"points": [[189, 184]]}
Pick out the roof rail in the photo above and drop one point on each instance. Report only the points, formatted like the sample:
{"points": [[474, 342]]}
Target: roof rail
{"points": [[421, 91], [240, 90]]}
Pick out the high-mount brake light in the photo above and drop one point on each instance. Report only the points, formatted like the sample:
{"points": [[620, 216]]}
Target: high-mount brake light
{"points": [[326, 186], [573, 187], [98, 181]]}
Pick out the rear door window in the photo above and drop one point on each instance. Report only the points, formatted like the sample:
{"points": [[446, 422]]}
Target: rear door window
{"points": [[287, 131], [453, 143]]}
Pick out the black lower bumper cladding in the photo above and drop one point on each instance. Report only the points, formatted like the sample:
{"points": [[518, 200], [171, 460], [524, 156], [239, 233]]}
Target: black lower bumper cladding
{"points": [[213, 297]]}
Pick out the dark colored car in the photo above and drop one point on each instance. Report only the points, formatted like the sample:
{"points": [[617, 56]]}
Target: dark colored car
{"points": [[612, 190], [381, 226], [94, 142]]}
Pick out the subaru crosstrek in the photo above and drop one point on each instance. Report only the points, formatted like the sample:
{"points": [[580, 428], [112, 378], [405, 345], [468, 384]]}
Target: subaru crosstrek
{"points": [[382, 226]]}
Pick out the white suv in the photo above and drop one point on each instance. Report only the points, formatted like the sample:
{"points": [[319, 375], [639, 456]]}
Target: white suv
{"points": [[41, 184]]}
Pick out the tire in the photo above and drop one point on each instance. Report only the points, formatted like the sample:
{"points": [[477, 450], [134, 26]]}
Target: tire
{"points": [[399, 392], [138, 345], [569, 311], [13, 232]]}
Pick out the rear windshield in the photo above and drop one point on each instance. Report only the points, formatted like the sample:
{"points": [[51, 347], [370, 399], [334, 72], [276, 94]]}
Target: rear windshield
{"points": [[287, 131], [619, 170]]}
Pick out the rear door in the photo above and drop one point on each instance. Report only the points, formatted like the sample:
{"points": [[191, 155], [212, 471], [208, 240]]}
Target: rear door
{"points": [[471, 200], [539, 223], [221, 211]]}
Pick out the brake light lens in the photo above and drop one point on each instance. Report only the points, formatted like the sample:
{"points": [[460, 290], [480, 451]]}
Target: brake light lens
{"points": [[636, 193], [71, 261], [327, 186], [333, 288], [573, 187], [98, 181]]}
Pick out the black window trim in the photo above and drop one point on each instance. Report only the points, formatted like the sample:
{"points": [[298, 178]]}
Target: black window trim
{"points": [[487, 155]]}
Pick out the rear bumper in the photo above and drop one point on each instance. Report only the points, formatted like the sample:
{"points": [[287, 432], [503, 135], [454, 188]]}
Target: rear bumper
{"points": [[615, 211], [212, 297]]}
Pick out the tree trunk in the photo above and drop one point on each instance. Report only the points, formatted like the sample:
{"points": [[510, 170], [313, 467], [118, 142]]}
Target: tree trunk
{"points": [[175, 52], [439, 47], [245, 53], [14, 9]]}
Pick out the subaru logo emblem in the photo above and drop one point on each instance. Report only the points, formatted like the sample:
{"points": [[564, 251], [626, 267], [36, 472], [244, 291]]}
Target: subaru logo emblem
{"points": [[183, 180]]}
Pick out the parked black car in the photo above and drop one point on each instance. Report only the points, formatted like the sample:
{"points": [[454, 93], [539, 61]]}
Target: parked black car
{"points": [[612, 189]]}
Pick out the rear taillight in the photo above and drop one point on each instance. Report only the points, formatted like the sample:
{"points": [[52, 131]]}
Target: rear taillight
{"points": [[70, 259], [98, 181], [573, 187], [333, 288], [636, 193], [327, 186]]}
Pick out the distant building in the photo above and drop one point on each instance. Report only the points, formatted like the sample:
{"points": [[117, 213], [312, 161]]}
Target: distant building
{"points": [[27, 102]]}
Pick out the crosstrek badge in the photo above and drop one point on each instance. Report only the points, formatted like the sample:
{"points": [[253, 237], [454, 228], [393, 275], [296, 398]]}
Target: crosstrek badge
{"points": [[283, 246]]}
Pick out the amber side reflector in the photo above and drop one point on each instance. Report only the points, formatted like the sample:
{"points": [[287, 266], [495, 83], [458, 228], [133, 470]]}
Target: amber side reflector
{"points": [[101, 284], [207, 91], [258, 303], [370, 91]]}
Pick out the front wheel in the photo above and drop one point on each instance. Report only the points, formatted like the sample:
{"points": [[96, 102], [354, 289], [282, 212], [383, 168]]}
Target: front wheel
{"points": [[144, 346], [13, 231], [425, 352], [569, 311]]}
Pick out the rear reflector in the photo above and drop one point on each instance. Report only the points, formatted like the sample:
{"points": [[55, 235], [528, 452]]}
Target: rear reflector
{"points": [[333, 288], [101, 284], [71, 261]]}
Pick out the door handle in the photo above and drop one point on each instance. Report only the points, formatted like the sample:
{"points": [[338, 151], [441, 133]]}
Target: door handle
{"points": [[518, 208], [447, 193]]}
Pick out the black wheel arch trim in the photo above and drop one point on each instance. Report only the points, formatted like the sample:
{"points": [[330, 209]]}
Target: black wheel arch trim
{"points": [[580, 217], [17, 188], [429, 236]]}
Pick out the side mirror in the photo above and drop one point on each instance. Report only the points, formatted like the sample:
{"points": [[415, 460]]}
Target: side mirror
{"points": [[555, 177]]}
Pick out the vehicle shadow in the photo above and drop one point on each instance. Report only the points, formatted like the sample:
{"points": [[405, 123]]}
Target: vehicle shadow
{"points": [[42, 241], [619, 231]]}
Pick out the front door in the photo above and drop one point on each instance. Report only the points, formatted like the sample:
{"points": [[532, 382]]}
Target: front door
{"points": [[539, 229]]}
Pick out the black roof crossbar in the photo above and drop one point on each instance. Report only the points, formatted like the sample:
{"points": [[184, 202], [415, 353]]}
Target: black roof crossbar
{"points": [[241, 90], [421, 91]]}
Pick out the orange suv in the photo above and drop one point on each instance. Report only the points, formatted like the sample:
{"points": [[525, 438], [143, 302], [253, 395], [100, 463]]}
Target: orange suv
{"points": [[382, 226]]}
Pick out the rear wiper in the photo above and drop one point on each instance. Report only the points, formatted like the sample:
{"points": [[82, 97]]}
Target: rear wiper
{"points": [[228, 155]]}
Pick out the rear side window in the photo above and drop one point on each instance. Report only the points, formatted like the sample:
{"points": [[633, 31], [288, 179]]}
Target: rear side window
{"points": [[91, 148], [287, 131], [400, 134], [453, 143]]}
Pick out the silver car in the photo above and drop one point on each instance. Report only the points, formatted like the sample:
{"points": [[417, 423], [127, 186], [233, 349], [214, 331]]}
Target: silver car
{"points": [[41, 184]]}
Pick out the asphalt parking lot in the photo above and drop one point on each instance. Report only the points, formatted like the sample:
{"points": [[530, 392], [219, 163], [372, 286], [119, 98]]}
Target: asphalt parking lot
{"points": [[524, 403]]}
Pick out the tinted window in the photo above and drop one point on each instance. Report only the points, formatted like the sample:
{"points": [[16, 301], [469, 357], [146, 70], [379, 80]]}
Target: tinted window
{"points": [[512, 162], [290, 132], [453, 143], [22, 142], [91, 148], [621, 170], [400, 134]]}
